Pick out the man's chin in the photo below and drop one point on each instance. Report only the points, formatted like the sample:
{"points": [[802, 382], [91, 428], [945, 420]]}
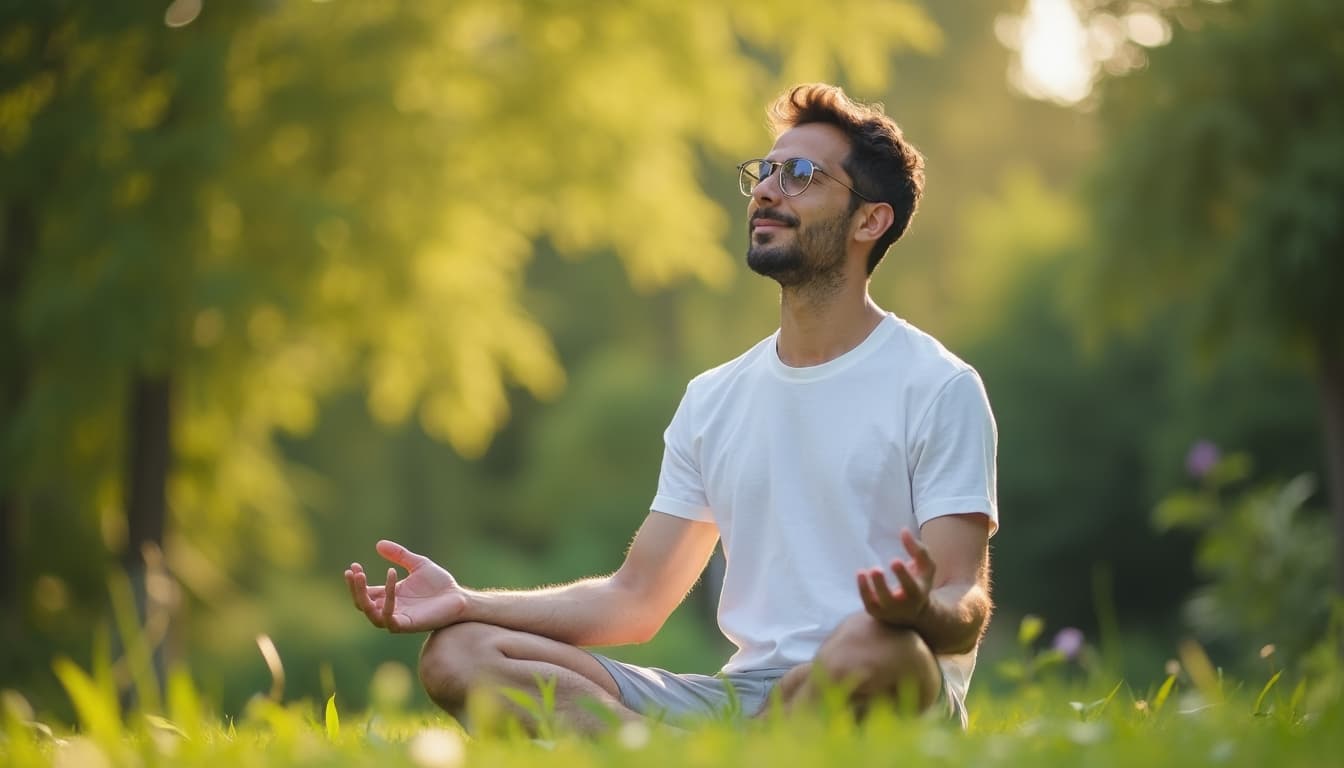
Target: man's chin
{"points": [[780, 267]]}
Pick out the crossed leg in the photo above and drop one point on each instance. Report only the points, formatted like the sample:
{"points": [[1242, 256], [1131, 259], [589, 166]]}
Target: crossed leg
{"points": [[872, 661], [463, 658]]}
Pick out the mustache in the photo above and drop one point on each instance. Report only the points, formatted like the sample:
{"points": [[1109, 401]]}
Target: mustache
{"points": [[772, 215]]}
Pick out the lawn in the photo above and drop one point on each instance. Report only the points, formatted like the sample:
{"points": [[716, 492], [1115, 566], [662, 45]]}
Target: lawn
{"points": [[1193, 717]]}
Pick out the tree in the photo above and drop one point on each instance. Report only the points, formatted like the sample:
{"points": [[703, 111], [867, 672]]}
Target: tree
{"points": [[209, 228], [1222, 187]]}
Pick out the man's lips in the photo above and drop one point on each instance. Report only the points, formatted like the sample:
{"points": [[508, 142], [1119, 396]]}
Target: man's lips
{"points": [[763, 223]]}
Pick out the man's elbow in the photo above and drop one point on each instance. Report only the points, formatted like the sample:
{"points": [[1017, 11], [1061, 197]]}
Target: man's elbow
{"points": [[645, 631], [637, 618]]}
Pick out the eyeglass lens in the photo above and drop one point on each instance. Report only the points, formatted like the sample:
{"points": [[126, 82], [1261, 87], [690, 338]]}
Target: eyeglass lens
{"points": [[794, 175]]}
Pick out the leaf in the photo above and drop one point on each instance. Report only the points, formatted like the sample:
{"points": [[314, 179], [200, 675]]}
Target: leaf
{"points": [[97, 707], [1206, 679], [1299, 694], [139, 656], [1163, 693], [1012, 670], [546, 685], [1030, 629], [522, 701], [1047, 659], [184, 705], [164, 724], [601, 711], [333, 719], [1260, 700], [1184, 510], [1094, 709]]}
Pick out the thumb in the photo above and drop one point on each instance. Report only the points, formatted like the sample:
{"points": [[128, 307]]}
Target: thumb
{"points": [[399, 555]]}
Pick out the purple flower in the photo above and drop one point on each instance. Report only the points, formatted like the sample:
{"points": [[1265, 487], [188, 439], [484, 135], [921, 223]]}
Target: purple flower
{"points": [[1068, 641], [1201, 459]]}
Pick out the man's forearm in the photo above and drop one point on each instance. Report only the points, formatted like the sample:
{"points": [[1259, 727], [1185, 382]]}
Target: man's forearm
{"points": [[955, 618], [596, 611]]}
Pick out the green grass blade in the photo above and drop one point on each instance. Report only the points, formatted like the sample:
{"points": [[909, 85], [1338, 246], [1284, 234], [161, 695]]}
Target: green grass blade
{"points": [[138, 654], [96, 706], [1163, 693], [184, 703], [1260, 700], [522, 701], [333, 719]]}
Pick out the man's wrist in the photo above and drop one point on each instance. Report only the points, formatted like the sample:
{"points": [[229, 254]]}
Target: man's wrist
{"points": [[475, 605]]}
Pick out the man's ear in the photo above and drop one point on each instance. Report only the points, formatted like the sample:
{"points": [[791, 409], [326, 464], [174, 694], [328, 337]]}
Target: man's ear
{"points": [[875, 219]]}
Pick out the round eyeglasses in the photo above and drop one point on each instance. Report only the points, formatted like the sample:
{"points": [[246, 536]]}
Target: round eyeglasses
{"points": [[795, 176]]}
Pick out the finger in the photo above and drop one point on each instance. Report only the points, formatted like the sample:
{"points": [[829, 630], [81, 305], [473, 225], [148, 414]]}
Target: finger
{"points": [[363, 601], [350, 587], [917, 551], [887, 598], [869, 598], [909, 584], [352, 582], [400, 555], [389, 597]]}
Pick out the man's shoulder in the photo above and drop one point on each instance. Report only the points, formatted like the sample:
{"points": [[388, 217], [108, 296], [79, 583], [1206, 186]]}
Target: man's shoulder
{"points": [[923, 357], [725, 373]]}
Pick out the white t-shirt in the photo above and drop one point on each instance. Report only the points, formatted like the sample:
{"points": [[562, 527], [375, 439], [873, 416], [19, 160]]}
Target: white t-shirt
{"points": [[811, 473]]}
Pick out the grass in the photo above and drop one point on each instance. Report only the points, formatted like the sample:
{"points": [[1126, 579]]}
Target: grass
{"points": [[1193, 717], [1053, 717]]}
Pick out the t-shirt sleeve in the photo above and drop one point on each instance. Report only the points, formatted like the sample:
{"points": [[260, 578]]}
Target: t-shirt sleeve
{"points": [[954, 453], [681, 488]]}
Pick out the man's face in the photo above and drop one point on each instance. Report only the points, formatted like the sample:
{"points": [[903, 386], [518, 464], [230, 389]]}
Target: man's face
{"points": [[804, 239]]}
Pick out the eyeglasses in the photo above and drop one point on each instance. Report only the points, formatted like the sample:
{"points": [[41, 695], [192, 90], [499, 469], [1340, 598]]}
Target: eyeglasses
{"points": [[795, 176]]}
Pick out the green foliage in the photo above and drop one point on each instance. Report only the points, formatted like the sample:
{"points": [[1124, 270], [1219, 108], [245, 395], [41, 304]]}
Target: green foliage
{"points": [[1265, 554], [1223, 183], [1096, 722], [1222, 191], [279, 203], [1095, 429], [287, 198]]}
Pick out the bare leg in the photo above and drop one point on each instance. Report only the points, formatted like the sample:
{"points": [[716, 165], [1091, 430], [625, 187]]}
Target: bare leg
{"points": [[873, 661], [463, 658]]}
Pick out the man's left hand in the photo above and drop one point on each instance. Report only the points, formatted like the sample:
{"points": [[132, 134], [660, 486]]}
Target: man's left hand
{"points": [[902, 606]]}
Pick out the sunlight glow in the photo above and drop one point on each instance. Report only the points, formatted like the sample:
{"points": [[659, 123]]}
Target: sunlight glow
{"points": [[1061, 55], [1055, 60]]}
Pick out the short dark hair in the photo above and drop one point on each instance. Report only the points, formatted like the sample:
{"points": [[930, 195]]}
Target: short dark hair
{"points": [[882, 164]]}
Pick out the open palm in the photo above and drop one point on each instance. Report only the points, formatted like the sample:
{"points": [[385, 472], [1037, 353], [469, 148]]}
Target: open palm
{"points": [[427, 599], [902, 605]]}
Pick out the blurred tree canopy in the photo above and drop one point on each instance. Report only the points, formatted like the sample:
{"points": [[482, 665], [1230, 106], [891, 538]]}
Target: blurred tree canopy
{"points": [[209, 226], [1223, 189]]}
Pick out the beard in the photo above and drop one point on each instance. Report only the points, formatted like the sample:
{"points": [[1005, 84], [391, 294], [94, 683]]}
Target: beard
{"points": [[813, 257]]}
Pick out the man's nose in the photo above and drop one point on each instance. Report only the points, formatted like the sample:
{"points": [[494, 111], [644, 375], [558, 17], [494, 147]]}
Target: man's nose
{"points": [[766, 192]]}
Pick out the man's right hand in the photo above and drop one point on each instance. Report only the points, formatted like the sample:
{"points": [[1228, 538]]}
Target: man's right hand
{"points": [[427, 599]]}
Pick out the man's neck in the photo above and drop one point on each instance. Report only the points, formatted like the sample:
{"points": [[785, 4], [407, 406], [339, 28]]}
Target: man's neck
{"points": [[816, 327]]}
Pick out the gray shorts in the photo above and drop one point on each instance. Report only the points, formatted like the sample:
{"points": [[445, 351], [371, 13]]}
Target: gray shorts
{"points": [[675, 698]]}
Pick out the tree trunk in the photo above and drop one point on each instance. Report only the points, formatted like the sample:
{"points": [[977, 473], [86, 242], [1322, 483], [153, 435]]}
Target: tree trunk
{"points": [[149, 455], [1332, 411], [18, 239]]}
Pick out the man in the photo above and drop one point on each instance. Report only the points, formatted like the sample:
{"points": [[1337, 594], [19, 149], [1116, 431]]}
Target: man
{"points": [[814, 457]]}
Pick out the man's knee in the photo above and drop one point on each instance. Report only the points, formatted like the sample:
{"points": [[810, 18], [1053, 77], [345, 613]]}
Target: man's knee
{"points": [[875, 660], [454, 659]]}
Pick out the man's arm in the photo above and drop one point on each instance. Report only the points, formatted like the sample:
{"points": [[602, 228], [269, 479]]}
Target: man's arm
{"points": [[943, 589], [628, 606]]}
